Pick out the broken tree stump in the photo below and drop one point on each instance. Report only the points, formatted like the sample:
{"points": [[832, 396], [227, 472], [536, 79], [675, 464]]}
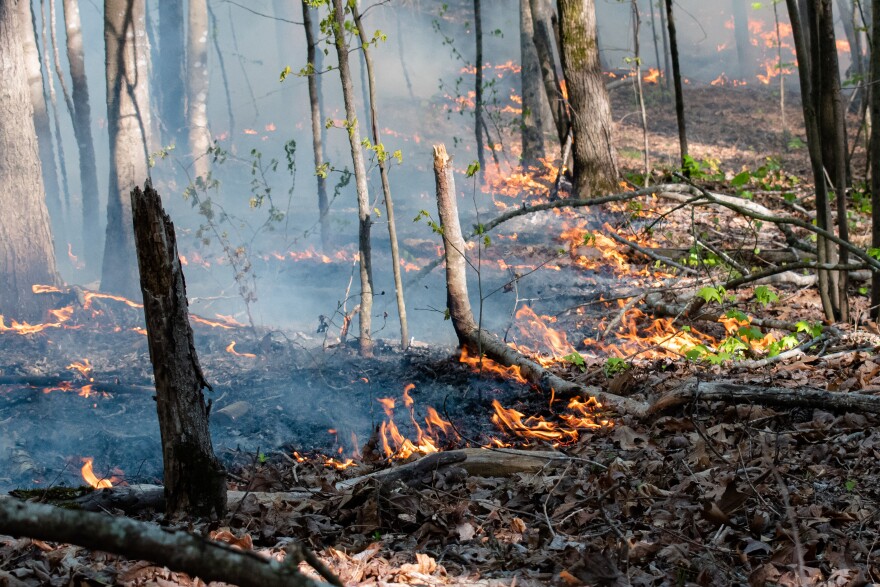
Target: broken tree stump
{"points": [[195, 481]]}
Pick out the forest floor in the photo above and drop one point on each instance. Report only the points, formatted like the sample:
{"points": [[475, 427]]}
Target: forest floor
{"points": [[712, 493]]}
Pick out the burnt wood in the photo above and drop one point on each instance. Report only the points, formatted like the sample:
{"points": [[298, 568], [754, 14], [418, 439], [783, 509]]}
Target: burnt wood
{"points": [[195, 481]]}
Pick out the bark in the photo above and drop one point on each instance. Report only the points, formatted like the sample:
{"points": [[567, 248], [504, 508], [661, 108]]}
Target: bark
{"points": [[360, 174], [172, 59], [825, 250], [534, 101], [33, 68], [833, 129], [478, 86], [195, 481], [733, 393], [128, 122], [543, 40], [26, 253], [82, 128], [743, 42], [59, 219], [875, 156], [179, 551], [667, 69], [595, 161], [381, 157], [317, 126], [676, 82], [197, 86], [637, 25]]}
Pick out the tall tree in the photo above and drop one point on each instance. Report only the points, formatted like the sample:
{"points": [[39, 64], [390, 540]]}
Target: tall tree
{"points": [[382, 157], [315, 106], [743, 40], [197, 86], [360, 176], [82, 128], [535, 109], [26, 254], [676, 82], [171, 91], [595, 160], [875, 156], [128, 122], [544, 45], [478, 85]]}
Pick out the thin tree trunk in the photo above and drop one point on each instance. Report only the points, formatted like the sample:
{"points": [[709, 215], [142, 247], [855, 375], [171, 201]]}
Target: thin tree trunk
{"points": [[664, 28], [195, 481], [42, 125], [875, 155], [595, 161], [82, 127], [360, 174], [811, 124], [637, 22], [543, 40], [128, 122], [26, 254], [172, 59], [317, 126], [60, 232], [743, 42], [832, 108], [400, 50], [781, 76], [533, 97], [230, 115], [197, 86], [676, 80], [654, 36], [381, 157], [478, 86]]}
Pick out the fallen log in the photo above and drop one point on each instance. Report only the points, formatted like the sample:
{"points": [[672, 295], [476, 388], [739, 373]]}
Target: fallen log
{"points": [[179, 551], [735, 393], [482, 343]]}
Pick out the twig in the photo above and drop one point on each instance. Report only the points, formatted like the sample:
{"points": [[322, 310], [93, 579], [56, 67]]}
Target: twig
{"points": [[649, 253]]}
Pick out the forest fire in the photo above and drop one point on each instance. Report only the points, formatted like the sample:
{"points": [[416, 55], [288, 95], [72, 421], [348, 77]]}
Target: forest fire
{"points": [[396, 445], [230, 348], [89, 477]]}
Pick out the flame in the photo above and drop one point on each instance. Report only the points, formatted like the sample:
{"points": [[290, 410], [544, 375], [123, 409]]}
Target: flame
{"points": [[395, 445], [652, 77], [487, 364], [84, 367], [534, 328], [231, 349], [211, 323], [74, 260], [89, 476]]}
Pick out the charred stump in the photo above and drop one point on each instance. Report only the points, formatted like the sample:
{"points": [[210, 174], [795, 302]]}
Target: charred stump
{"points": [[195, 481]]}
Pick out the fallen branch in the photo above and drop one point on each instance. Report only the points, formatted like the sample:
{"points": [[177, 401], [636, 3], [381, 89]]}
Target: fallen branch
{"points": [[179, 551], [733, 393]]}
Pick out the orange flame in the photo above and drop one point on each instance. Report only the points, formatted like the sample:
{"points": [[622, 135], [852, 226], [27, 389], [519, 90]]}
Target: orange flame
{"points": [[89, 476], [231, 349]]}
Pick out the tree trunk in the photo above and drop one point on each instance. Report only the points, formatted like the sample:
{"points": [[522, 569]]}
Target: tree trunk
{"points": [[834, 137], [825, 251], [478, 86], [534, 100], [82, 126], [360, 175], [197, 86], [595, 162], [128, 122], [172, 59], [26, 254], [875, 156], [195, 481], [381, 158], [33, 68], [59, 217], [743, 41], [667, 68], [676, 81], [543, 40], [317, 126]]}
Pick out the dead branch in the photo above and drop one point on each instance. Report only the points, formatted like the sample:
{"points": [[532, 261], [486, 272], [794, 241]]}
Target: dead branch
{"points": [[180, 551], [733, 393], [650, 253]]}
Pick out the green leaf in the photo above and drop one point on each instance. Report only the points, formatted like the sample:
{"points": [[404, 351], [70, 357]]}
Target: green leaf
{"points": [[284, 73], [711, 293], [473, 168], [765, 295], [741, 179]]}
